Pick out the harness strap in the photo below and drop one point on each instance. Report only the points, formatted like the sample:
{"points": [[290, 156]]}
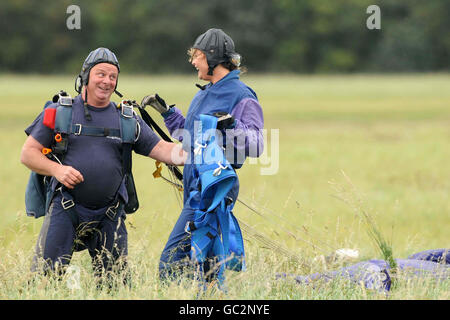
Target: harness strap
{"points": [[69, 206], [154, 126], [79, 129]]}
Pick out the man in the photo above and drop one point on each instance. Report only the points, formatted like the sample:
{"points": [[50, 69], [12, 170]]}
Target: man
{"points": [[89, 184], [240, 122]]}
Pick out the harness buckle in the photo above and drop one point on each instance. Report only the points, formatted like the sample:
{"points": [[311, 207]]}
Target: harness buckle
{"points": [[127, 109], [189, 227], [112, 211], [78, 128], [65, 100], [186, 228], [67, 204]]}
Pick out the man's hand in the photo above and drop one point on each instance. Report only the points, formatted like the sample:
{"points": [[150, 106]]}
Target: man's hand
{"points": [[156, 102], [68, 176], [33, 158], [224, 121]]}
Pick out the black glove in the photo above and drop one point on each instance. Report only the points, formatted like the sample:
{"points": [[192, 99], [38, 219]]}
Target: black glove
{"points": [[224, 121], [156, 102]]}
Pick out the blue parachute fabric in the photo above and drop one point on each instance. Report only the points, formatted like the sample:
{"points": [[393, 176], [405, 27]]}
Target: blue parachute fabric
{"points": [[216, 176], [434, 255], [376, 274], [423, 268], [215, 233], [235, 261]]}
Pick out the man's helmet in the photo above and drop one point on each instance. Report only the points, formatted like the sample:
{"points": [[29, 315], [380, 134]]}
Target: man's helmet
{"points": [[97, 56], [218, 48]]}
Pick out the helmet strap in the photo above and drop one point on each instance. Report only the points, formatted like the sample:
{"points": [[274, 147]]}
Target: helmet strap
{"points": [[211, 70], [87, 115], [118, 93]]}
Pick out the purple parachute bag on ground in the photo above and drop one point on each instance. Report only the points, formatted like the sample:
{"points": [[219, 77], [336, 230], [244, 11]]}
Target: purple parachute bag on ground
{"points": [[375, 274]]}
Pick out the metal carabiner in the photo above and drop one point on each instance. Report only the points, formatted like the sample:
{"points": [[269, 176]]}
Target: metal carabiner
{"points": [[78, 128]]}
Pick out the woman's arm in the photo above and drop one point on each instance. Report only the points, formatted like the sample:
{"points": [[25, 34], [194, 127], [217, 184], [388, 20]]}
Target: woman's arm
{"points": [[246, 136], [174, 121]]}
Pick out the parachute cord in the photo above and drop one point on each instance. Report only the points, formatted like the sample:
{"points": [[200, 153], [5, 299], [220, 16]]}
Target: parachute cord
{"points": [[176, 189], [284, 229], [274, 246]]}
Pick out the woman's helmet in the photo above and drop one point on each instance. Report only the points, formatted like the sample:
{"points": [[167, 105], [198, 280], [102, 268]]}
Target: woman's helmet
{"points": [[218, 48]]}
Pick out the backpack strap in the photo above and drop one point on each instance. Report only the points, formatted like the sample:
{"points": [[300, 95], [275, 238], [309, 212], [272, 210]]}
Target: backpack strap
{"points": [[39, 192], [129, 130], [128, 123], [63, 119]]}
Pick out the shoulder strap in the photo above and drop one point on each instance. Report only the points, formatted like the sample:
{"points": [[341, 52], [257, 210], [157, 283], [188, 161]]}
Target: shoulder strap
{"points": [[63, 119], [129, 130], [128, 123], [128, 133]]}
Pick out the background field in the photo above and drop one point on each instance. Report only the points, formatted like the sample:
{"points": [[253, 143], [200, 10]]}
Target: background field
{"points": [[389, 134]]}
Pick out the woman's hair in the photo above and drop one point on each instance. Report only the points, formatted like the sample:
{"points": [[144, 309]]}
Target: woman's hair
{"points": [[227, 65]]}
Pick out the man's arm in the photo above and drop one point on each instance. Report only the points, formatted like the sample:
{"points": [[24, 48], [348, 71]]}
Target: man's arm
{"points": [[32, 157], [170, 153]]}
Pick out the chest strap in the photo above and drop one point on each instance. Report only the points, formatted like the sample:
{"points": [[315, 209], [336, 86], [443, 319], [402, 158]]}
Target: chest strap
{"points": [[83, 130]]}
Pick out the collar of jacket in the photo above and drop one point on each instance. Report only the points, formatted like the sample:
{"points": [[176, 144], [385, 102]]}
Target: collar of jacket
{"points": [[232, 75]]}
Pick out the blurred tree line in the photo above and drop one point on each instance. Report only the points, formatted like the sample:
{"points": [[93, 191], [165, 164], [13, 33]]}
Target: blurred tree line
{"points": [[305, 36]]}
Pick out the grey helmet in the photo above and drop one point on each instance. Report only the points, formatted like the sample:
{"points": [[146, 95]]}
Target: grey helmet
{"points": [[218, 48], [99, 55]]}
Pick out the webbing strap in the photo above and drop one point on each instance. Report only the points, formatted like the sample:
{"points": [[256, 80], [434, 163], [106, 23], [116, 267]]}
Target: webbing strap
{"points": [[63, 119], [82, 130], [154, 126], [69, 206]]}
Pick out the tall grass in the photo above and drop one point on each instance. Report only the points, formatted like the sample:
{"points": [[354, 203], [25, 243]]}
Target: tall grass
{"points": [[389, 134], [353, 198]]}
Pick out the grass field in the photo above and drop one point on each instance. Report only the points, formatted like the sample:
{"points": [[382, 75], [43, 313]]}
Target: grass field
{"points": [[384, 139]]}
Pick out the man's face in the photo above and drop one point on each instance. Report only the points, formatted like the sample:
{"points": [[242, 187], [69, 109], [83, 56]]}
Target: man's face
{"points": [[201, 64], [102, 82]]}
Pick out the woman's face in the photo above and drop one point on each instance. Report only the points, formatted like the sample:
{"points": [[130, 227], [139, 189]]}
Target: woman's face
{"points": [[201, 64]]}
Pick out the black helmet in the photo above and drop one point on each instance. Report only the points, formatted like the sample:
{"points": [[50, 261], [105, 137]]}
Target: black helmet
{"points": [[218, 48], [97, 56]]}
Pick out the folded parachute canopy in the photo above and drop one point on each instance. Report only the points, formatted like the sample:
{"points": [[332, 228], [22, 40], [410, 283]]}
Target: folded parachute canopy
{"points": [[377, 274]]}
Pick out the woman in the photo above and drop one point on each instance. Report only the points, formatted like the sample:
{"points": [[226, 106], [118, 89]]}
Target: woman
{"points": [[240, 120]]}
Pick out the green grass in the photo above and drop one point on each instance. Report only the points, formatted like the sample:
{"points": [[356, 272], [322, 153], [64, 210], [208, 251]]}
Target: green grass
{"points": [[389, 134]]}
